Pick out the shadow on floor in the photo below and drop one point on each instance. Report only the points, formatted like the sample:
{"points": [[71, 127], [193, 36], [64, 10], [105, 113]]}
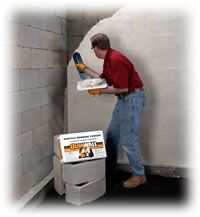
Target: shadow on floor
{"points": [[158, 189]]}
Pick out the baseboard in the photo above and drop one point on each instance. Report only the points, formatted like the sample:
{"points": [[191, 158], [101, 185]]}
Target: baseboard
{"points": [[36, 194]]}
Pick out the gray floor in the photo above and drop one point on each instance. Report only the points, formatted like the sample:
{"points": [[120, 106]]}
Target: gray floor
{"points": [[158, 190]]}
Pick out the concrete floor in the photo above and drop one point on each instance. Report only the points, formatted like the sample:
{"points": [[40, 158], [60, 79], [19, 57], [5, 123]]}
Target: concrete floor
{"points": [[158, 190]]}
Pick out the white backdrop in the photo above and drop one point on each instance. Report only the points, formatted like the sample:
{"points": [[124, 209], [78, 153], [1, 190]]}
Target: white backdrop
{"points": [[155, 41]]}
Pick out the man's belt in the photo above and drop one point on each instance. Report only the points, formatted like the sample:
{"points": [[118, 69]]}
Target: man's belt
{"points": [[122, 95]]}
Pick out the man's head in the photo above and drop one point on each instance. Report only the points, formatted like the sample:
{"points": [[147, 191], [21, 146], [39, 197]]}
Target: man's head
{"points": [[100, 43]]}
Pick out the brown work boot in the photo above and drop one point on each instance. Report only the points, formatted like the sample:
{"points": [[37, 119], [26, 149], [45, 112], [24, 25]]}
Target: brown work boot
{"points": [[134, 181]]}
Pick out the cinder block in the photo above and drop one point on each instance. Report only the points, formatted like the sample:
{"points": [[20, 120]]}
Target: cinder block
{"points": [[44, 114], [20, 101], [56, 77], [56, 59], [73, 43], [47, 8], [43, 169], [75, 14], [36, 155], [22, 17], [43, 39], [23, 184], [85, 171], [29, 78], [54, 24], [43, 77], [21, 143], [47, 150], [14, 80], [18, 169], [61, 12], [20, 57], [39, 20], [54, 92], [90, 14], [27, 161], [38, 58], [57, 42], [56, 125], [30, 119], [35, 95], [80, 28], [64, 27], [85, 193], [29, 37], [44, 96], [15, 124], [14, 34], [61, 43], [40, 135], [57, 172]]}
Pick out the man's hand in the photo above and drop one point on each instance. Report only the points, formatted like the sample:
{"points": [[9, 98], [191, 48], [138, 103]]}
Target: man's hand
{"points": [[81, 66], [94, 92]]}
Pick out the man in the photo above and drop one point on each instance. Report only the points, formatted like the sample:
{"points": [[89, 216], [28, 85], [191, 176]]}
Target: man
{"points": [[123, 130]]}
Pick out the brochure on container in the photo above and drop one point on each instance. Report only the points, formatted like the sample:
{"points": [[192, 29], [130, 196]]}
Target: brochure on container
{"points": [[82, 146]]}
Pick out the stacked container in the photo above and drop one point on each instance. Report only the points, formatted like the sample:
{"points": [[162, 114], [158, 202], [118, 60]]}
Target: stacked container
{"points": [[82, 181]]}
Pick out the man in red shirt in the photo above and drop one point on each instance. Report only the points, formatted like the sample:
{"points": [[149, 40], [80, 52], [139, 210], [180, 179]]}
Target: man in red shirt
{"points": [[123, 129]]}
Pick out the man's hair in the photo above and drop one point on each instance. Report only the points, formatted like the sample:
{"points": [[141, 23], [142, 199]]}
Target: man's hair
{"points": [[101, 41]]}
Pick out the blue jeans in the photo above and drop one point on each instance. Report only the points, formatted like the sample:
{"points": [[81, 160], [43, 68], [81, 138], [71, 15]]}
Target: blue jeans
{"points": [[124, 130]]}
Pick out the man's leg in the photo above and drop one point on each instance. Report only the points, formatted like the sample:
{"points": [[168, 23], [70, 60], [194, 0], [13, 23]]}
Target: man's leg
{"points": [[130, 123]]}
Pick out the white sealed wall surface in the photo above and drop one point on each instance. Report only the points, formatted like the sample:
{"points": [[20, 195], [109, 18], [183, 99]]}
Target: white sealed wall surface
{"points": [[155, 41]]}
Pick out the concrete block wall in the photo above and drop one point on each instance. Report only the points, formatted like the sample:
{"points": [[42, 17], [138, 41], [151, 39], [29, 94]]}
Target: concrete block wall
{"points": [[81, 19], [38, 45]]}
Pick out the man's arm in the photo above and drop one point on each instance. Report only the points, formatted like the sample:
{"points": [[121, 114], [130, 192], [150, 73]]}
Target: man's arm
{"points": [[91, 73], [108, 90], [113, 90]]}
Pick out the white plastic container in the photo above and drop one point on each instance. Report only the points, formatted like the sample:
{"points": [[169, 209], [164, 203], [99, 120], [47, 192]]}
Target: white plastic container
{"points": [[89, 84], [82, 146]]}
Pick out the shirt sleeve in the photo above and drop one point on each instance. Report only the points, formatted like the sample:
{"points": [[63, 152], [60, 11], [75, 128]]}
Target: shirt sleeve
{"points": [[120, 74], [102, 75]]}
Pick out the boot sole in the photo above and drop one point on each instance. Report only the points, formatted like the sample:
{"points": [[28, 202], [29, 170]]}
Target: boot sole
{"points": [[141, 183]]}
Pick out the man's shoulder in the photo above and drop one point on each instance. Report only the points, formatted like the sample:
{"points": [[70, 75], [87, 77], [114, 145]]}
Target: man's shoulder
{"points": [[117, 55], [114, 54]]}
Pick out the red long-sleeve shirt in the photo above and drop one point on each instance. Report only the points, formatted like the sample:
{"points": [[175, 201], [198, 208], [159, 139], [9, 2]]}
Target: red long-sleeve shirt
{"points": [[120, 72]]}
